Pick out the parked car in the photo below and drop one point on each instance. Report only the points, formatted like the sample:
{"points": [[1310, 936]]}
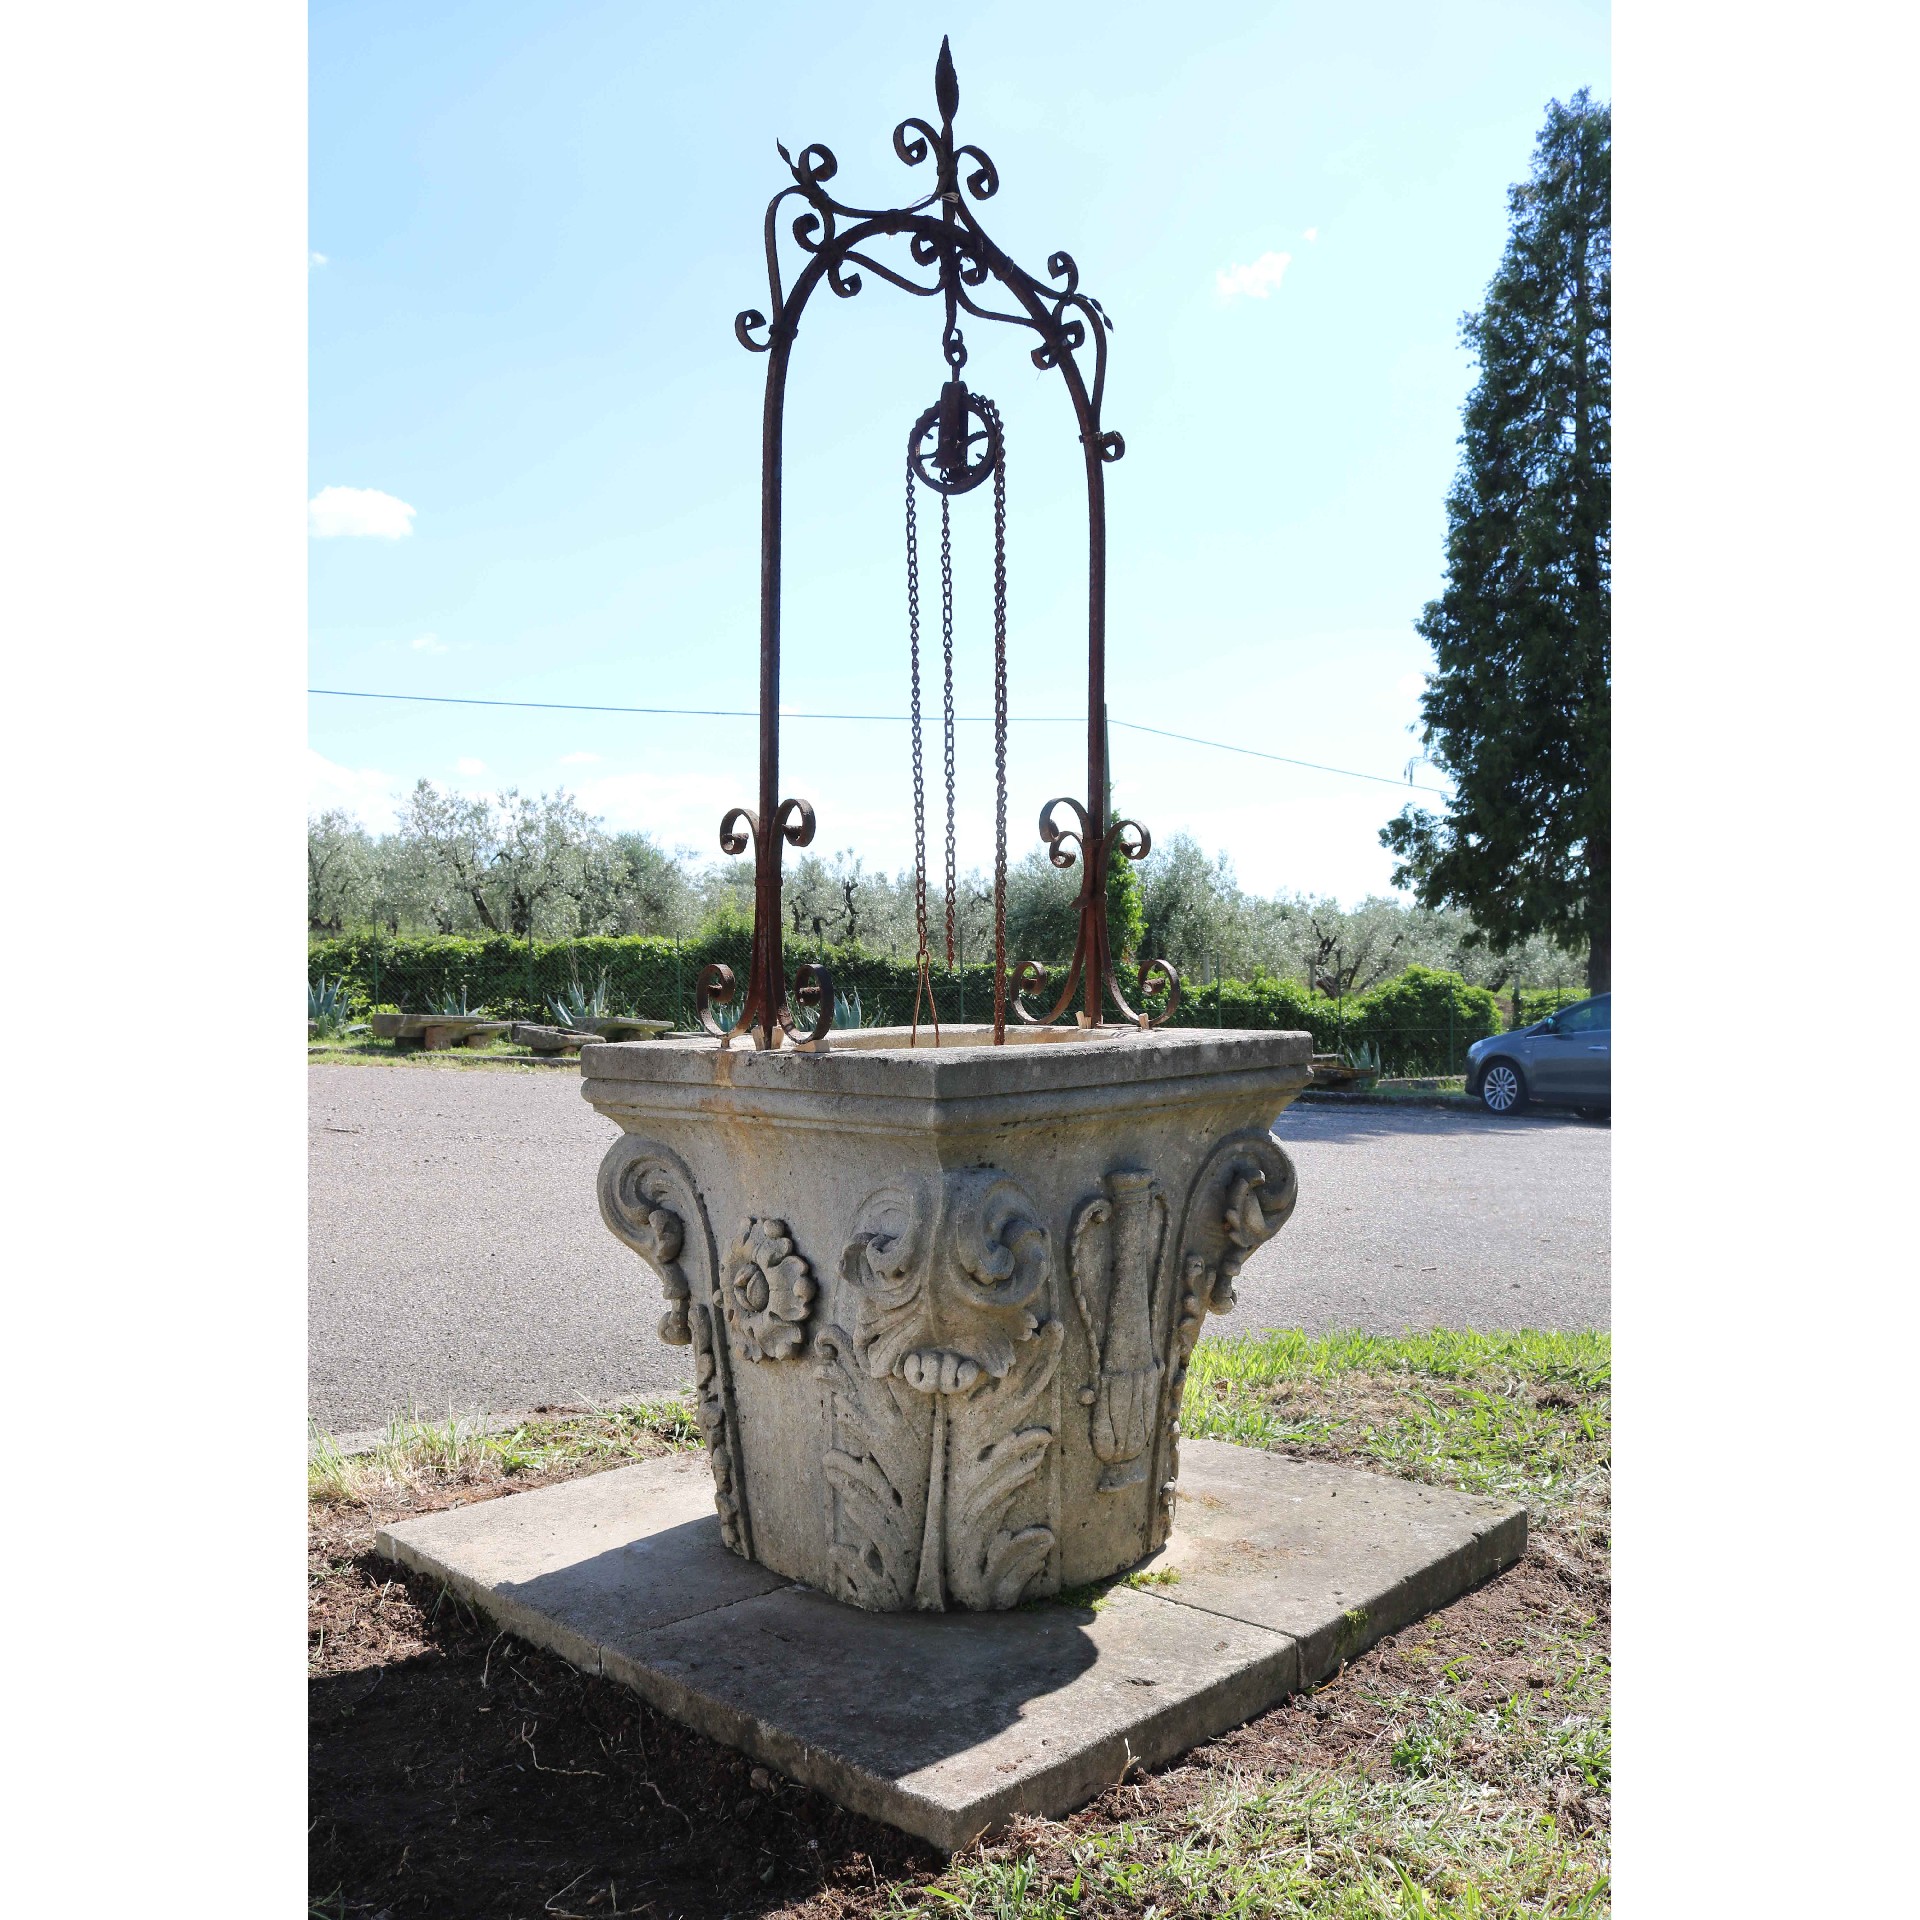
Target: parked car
{"points": [[1564, 1060]]}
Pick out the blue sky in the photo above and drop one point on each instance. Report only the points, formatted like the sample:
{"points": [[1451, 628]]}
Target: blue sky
{"points": [[533, 227]]}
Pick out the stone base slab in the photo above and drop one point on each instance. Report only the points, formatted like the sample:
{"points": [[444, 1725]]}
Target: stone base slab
{"points": [[946, 1725]]}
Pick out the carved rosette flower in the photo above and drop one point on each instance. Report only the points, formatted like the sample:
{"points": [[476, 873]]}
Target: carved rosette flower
{"points": [[767, 1291]]}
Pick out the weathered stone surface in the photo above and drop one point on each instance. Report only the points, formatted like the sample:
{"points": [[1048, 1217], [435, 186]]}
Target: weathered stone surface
{"points": [[590, 1562], [1335, 1558], [624, 1026], [435, 1031], [946, 1725], [941, 1297], [542, 1039]]}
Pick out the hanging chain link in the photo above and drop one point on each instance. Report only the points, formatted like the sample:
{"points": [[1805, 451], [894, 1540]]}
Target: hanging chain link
{"points": [[923, 962], [999, 721], [919, 770], [946, 635]]}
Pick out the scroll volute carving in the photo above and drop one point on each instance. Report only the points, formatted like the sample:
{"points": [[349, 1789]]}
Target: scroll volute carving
{"points": [[649, 1202], [638, 1187], [1243, 1195]]}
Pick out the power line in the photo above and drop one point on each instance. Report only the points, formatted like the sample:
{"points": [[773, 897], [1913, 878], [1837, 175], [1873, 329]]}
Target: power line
{"points": [[751, 713], [1224, 746]]}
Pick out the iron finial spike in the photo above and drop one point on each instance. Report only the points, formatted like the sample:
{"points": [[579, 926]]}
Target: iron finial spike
{"points": [[946, 84]]}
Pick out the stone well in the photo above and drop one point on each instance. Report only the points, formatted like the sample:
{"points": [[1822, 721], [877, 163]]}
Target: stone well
{"points": [[942, 1297]]}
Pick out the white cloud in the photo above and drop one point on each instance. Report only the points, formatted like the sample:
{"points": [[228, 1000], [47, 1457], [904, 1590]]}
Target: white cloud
{"points": [[338, 511], [578, 759], [429, 643], [318, 259], [370, 796], [1312, 233], [676, 808], [1256, 279], [469, 766]]}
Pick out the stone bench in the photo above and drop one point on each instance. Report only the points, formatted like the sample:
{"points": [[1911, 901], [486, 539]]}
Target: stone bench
{"points": [[436, 1031], [548, 1040], [614, 1026], [621, 1026], [1334, 1070]]}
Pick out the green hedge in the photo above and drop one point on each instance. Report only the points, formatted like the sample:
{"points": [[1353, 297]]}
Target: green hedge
{"points": [[515, 979], [1537, 1002], [1422, 1021]]}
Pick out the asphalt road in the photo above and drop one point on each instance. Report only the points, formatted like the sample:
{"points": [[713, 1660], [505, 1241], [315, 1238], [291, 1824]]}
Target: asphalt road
{"points": [[457, 1260]]}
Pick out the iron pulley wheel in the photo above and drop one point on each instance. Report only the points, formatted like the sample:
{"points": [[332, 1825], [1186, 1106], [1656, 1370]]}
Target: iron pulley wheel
{"points": [[955, 444]]}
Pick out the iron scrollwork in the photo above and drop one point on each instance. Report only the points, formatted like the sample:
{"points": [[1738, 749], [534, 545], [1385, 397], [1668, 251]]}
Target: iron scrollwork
{"points": [[1092, 950], [942, 234], [765, 1013]]}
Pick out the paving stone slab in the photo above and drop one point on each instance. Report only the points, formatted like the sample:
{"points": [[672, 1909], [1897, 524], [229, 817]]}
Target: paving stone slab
{"points": [[946, 1725], [1334, 1557]]}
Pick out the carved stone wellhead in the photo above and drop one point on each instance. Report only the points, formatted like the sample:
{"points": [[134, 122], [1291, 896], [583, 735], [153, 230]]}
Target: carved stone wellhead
{"points": [[940, 1360], [941, 1299]]}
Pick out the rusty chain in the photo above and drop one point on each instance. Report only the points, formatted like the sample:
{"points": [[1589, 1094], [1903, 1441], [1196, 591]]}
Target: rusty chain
{"points": [[946, 635], [919, 771], [999, 721], [923, 961]]}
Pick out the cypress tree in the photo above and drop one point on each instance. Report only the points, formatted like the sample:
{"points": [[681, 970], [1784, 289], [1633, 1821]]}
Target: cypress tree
{"points": [[1518, 709]]}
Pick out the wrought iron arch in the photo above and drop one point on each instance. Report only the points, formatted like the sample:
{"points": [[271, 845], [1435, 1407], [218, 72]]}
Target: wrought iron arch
{"points": [[943, 235]]}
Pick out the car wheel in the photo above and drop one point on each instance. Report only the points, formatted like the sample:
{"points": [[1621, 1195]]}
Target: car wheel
{"points": [[1502, 1090]]}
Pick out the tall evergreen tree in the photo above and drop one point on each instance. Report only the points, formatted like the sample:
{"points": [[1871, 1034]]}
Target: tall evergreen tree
{"points": [[1518, 709]]}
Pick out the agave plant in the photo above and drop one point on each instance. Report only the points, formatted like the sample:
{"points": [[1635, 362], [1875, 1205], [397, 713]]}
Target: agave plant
{"points": [[575, 1007], [454, 1005], [846, 1014], [1363, 1056], [327, 1006]]}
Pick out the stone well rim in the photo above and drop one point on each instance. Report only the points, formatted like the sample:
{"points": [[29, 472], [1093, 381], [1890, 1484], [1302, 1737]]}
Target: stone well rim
{"points": [[1085, 1059]]}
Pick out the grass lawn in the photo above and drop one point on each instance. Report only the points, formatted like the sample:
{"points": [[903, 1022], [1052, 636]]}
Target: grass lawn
{"points": [[363, 1049], [1461, 1768]]}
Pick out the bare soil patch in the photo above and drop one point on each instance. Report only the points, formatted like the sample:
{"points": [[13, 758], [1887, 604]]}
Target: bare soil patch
{"points": [[456, 1771]]}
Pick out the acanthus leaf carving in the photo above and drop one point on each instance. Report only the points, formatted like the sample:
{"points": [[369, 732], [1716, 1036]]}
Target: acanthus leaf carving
{"points": [[876, 1464], [997, 1442], [952, 1284]]}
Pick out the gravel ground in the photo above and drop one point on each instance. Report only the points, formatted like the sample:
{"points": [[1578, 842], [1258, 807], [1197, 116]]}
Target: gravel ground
{"points": [[457, 1259]]}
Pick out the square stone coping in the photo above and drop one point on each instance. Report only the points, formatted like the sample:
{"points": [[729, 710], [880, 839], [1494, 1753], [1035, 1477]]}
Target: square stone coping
{"points": [[1101, 1063], [947, 1725]]}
